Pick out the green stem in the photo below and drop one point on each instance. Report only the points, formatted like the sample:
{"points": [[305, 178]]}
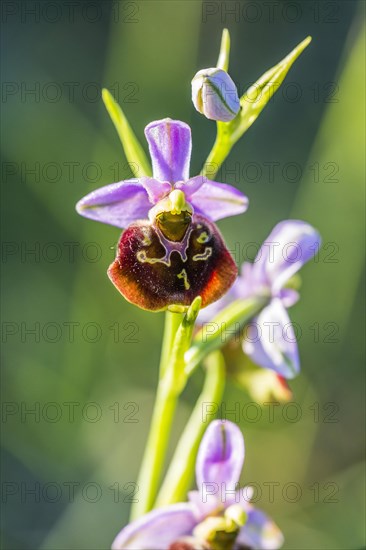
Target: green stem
{"points": [[218, 153], [177, 339], [172, 322], [165, 404], [180, 473]]}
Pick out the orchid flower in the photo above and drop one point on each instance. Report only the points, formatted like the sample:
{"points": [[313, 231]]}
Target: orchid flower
{"points": [[270, 340], [217, 516], [168, 213]]}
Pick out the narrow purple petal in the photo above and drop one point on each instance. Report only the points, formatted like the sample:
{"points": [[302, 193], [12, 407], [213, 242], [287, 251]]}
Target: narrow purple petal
{"points": [[288, 296], [290, 245], [270, 341], [157, 529], [214, 200], [207, 501], [220, 456], [170, 149], [156, 190], [191, 185], [260, 532], [121, 203]]}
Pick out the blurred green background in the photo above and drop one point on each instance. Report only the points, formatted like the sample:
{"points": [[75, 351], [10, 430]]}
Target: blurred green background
{"points": [[89, 368]]}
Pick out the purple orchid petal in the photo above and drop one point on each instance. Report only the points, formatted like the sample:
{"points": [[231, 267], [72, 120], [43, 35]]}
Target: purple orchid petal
{"points": [[190, 186], [288, 296], [157, 529], [289, 246], [260, 532], [170, 149], [122, 203], [213, 200], [156, 190], [271, 342], [246, 285], [220, 457], [206, 502]]}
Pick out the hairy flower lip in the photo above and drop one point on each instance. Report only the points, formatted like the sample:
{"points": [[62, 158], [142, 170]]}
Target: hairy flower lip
{"points": [[155, 273]]}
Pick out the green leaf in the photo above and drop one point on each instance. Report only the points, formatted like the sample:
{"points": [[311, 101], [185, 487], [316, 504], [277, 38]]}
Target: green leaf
{"points": [[259, 94], [223, 60], [134, 152]]}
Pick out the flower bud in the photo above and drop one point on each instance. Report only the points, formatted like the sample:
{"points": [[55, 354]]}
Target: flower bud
{"points": [[214, 94]]}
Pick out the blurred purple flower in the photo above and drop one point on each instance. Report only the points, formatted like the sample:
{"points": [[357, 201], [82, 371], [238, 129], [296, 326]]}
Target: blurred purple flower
{"points": [[218, 466], [170, 146], [270, 340]]}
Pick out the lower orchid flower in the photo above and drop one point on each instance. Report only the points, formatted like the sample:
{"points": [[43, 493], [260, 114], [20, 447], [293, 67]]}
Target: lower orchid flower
{"points": [[270, 339], [171, 251], [262, 385], [217, 516]]}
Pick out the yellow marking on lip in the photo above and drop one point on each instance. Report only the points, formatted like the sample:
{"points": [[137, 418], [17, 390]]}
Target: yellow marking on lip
{"points": [[183, 275], [141, 256], [146, 240], [203, 237], [204, 256]]}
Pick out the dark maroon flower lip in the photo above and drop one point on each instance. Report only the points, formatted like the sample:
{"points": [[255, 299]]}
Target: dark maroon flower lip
{"points": [[154, 272]]}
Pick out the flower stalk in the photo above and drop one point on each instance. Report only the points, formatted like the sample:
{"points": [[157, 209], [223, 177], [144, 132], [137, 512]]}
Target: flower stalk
{"points": [[180, 474], [172, 380]]}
